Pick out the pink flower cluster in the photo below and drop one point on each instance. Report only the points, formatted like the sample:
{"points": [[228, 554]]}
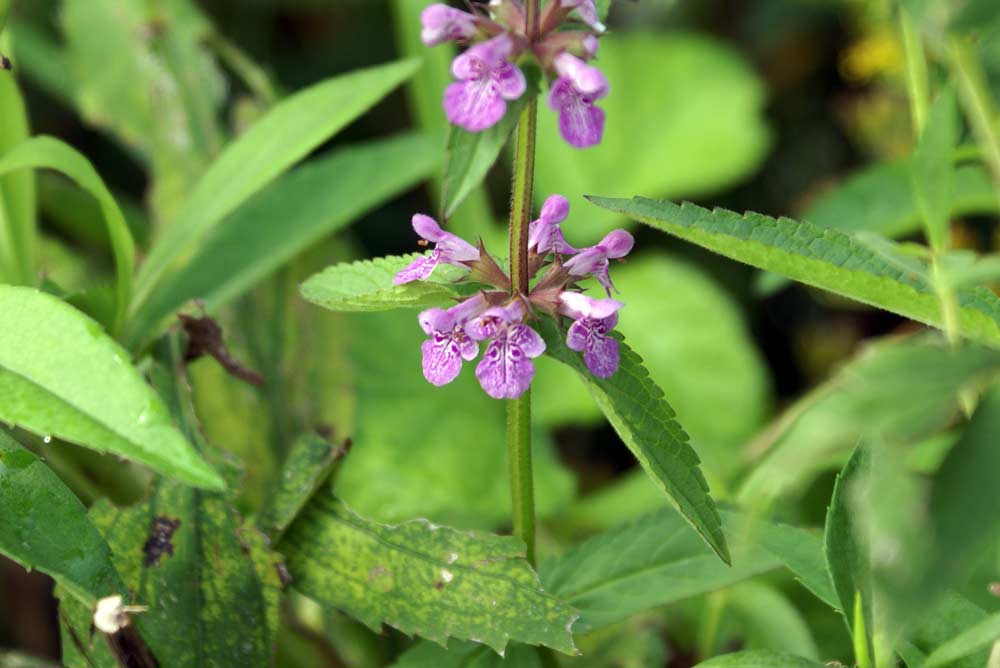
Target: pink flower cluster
{"points": [[487, 76], [494, 316]]}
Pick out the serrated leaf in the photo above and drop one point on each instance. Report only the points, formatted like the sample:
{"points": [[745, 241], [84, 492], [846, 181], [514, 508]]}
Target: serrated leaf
{"points": [[641, 416], [426, 654], [931, 168], [423, 579], [367, 286], [61, 375], [823, 258], [286, 134], [971, 640], [722, 114], [652, 561], [50, 153], [759, 659], [45, 527], [282, 220], [848, 557]]}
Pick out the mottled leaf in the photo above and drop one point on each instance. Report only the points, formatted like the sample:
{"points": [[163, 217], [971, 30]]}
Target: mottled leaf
{"points": [[423, 579]]}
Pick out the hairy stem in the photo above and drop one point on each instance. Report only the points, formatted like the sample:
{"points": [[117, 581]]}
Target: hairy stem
{"points": [[519, 410]]}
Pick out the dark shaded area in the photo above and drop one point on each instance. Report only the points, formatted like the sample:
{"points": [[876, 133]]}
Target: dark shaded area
{"points": [[160, 540]]}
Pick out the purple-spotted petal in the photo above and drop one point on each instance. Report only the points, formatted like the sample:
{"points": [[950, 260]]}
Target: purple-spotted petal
{"points": [[527, 339], [505, 372], [601, 355], [442, 359], [474, 104], [510, 81], [576, 337], [442, 23], [581, 124], [417, 270]]}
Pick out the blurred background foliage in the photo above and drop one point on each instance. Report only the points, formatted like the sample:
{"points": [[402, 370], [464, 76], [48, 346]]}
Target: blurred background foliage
{"points": [[793, 107]]}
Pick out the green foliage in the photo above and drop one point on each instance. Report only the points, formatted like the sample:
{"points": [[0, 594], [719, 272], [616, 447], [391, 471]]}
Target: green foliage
{"points": [[759, 659], [211, 585], [466, 655], [972, 640], [820, 257], [46, 527], [636, 408], [281, 221], [286, 134], [50, 153], [933, 175], [654, 144], [423, 578], [63, 377], [17, 191], [367, 286], [652, 561]]}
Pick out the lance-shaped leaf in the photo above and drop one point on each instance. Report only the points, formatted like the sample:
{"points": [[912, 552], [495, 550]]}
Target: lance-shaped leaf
{"points": [[652, 561], [972, 640], [367, 286], [759, 658], [17, 190], [470, 155], [211, 585], [50, 153], [61, 375], [45, 527], [285, 218], [636, 408], [285, 135], [423, 579], [820, 257], [931, 168]]}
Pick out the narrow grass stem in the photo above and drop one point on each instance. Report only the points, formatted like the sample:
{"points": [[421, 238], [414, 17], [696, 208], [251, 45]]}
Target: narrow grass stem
{"points": [[916, 70], [977, 103]]}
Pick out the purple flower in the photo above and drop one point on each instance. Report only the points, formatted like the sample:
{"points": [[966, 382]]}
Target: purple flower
{"points": [[587, 11], [589, 334], [572, 95], [544, 235], [594, 260], [442, 23], [505, 372], [486, 80], [448, 248], [448, 344]]}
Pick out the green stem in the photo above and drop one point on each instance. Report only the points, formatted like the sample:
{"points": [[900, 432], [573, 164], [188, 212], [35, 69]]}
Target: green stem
{"points": [[522, 490], [916, 70], [978, 104]]}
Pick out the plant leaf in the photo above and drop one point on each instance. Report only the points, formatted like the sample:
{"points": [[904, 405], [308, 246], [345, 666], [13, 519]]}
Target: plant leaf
{"points": [[307, 465], [652, 561], [820, 257], [301, 207], [46, 528], [931, 168], [759, 659], [847, 553], [636, 408], [17, 192], [425, 654], [973, 639], [60, 375], [367, 286], [423, 579], [286, 134], [50, 153]]}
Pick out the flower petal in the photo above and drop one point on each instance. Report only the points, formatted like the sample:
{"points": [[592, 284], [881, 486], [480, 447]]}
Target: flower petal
{"points": [[510, 81], [601, 355], [475, 104], [504, 372], [417, 270], [526, 339], [576, 337], [427, 228], [555, 209], [441, 359], [617, 244], [442, 23], [436, 320]]}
